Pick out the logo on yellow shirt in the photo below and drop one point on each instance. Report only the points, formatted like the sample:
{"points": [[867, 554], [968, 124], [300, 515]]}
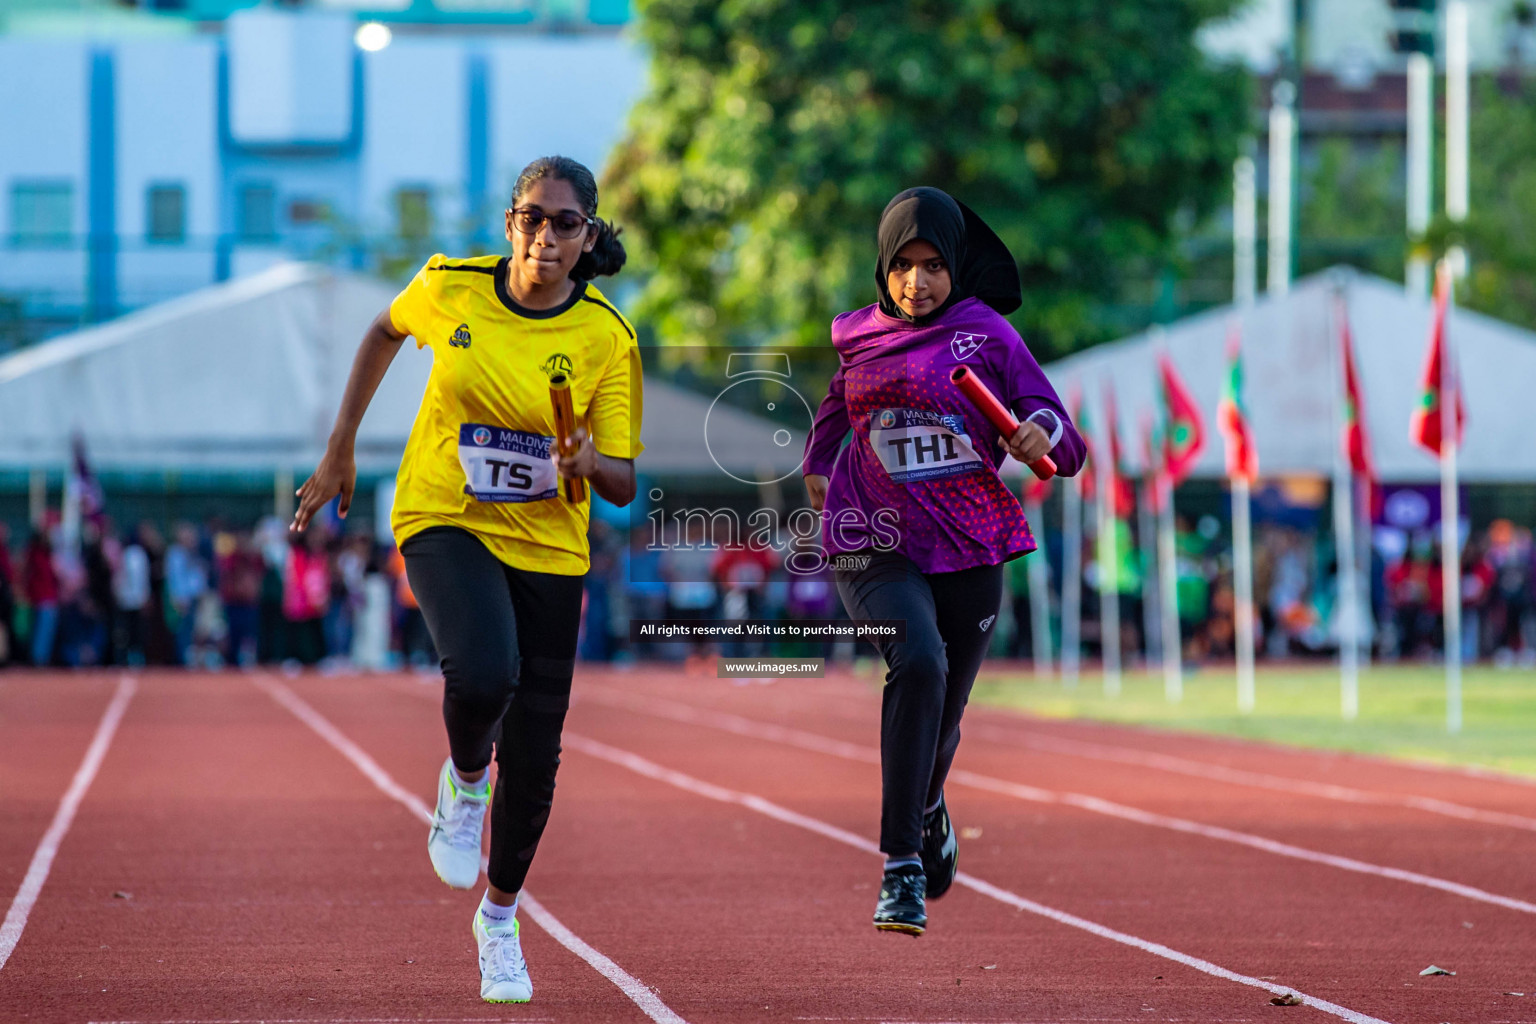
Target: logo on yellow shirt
{"points": [[460, 337], [559, 363]]}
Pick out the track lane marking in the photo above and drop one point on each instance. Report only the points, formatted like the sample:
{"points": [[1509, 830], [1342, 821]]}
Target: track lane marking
{"points": [[48, 847], [859, 698], [649, 1002], [709, 790], [988, 728], [690, 715], [1244, 777]]}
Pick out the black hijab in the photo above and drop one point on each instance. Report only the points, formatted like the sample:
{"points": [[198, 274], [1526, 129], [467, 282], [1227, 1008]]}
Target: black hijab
{"points": [[980, 265]]}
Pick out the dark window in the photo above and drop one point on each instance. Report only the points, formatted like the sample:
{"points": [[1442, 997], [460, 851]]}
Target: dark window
{"points": [[413, 212], [309, 211], [165, 214], [258, 213], [42, 213]]}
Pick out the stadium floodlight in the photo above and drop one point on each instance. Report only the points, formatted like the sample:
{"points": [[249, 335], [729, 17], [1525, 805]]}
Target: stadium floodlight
{"points": [[372, 36]]}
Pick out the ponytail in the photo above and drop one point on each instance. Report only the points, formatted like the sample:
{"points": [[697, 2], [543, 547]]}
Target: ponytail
{"points": [[606, 257]]}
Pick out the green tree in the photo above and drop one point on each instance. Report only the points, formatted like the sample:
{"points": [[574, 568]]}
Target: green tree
{"points": [[1500, 233], [1352, 209], [774, 132]]}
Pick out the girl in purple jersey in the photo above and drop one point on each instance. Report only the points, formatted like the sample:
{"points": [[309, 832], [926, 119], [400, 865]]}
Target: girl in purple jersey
{"points": [[915, 519]]}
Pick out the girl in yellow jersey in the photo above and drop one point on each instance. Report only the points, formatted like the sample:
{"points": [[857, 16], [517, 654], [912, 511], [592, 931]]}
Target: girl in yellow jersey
{"points": [[494, 551]]}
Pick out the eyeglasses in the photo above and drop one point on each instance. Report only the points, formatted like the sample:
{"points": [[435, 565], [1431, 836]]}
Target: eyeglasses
{"points": [[567, 224]]}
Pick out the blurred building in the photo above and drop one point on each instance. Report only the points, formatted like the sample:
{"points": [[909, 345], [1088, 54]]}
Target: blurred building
{"points": [[144, 155], [1347, 62], [1352, 40]]}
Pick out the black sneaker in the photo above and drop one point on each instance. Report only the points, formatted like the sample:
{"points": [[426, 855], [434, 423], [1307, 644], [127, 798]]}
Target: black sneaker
{"points": [[941, 851], [901, 901]]}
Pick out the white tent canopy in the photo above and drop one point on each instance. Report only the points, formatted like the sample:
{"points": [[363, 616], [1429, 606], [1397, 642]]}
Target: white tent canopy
{"points": [[1293, 380], [248, 375]]}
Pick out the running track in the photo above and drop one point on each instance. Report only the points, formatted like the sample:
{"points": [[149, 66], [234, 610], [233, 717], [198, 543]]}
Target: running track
{"points": [[195, 848]]}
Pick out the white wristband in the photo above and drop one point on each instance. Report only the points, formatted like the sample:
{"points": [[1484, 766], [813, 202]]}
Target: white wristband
{"points": [[1057, 428]]}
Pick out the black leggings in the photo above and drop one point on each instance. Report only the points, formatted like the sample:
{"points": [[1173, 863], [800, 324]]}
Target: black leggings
{"points": [[949, 617], [507, 638]]}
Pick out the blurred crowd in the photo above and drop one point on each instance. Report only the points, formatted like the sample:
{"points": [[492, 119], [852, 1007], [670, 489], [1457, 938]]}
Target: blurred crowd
{"points": [[212, 595], [209, 595], [1296, 594]]}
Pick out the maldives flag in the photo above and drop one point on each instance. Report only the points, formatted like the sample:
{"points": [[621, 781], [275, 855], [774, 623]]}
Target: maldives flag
{"points": [[1125, 494], [1424, 427], [1183, 427], [1080, 417], [1357, 443], [1232, 416]]}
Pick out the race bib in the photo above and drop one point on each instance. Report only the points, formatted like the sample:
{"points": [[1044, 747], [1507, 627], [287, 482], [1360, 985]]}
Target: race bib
{"points": [[913, 444], [506, 465]]}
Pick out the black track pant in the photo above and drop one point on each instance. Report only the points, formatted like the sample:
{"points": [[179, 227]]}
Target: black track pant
{"points": [[949, 617], [507, 638]]}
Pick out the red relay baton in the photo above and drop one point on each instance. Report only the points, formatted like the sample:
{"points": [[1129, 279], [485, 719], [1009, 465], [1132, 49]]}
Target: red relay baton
{"points": [[982, 398]]}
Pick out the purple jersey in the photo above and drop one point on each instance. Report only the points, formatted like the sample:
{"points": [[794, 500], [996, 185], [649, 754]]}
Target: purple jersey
{"points": [[921, 471]]}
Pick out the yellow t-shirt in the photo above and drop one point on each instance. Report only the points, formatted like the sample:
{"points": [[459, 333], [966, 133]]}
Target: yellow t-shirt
{"points": [[478, 454]]}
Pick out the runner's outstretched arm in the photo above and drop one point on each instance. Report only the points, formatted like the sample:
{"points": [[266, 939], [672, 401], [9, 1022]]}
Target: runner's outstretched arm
{"points": [[337, 472]]}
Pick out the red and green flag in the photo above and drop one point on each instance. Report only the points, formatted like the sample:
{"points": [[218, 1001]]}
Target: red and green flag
{"points": [[1125, 494], [1424, 427], [1357, 442], [1232, 416], [1183, 427], [1079, 413]]}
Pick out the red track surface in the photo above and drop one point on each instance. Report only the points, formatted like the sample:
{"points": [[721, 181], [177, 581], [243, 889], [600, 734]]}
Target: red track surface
{"points": [[264, 877]]}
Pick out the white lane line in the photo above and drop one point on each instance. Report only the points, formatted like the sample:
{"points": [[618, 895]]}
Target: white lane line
{"points": [[648, 1002], [856, 702], [709, 790], [987, 728], [1243, 777], [837, 748], [42, 861]]}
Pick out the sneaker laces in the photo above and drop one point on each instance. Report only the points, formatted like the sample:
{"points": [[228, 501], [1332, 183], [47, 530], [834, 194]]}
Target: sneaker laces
{"points": [[902, 885], [505, 954], [461, 823]]}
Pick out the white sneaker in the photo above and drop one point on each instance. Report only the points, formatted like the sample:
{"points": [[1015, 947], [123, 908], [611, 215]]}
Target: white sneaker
{"points": [[454, 842], [503, 971]]}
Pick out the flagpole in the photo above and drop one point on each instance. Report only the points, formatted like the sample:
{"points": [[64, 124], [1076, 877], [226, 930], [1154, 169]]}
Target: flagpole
{"points": [[1071, 580], [1146, 529], [1364, 604], [1109, 565], [1173, 671], [1450, 514], [1344, 531], [1109, 593], [1039, 594], [1242, 584], [1244, 288]]}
